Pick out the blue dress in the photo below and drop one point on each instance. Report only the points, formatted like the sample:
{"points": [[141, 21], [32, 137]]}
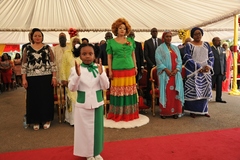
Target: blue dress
{"points": [[198, 86]]}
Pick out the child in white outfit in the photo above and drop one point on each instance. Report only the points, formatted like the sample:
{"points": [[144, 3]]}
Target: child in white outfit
{"points": [[88, 79]]}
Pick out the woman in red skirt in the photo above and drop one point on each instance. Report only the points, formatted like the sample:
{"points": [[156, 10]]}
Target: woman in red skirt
{"points": [[169, 67]]}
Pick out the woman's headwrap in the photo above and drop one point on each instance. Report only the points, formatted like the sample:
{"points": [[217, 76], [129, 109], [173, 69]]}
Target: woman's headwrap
{"points": [[225, 43], [163, 35], [194, 29]]}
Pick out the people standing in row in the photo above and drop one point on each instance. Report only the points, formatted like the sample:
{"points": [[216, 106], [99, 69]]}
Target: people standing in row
{"points": [[86, 79], [39, 79], [58, 52], [219, 68], [150, 46], [122, 71], [103, 52], [198, 62], [139, 56], [169, 67], [17, 68], [229, 61], [68, 61]]}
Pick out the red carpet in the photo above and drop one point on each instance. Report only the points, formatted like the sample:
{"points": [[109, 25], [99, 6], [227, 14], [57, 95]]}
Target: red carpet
{"points": [[212, 145]]}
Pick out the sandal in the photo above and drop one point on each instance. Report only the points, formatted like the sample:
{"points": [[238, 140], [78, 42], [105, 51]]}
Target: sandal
{"points": [[36, 127], [46, 125]]}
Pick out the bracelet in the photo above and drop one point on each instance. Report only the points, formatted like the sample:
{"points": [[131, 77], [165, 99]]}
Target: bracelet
{"points": [[54, 77]]}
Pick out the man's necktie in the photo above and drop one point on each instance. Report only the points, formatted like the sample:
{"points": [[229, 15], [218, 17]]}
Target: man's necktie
{"points": [[218, 48], [155, 43]]}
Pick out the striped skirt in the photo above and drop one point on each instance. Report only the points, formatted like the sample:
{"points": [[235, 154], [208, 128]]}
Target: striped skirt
{"points": [[123, 96]]}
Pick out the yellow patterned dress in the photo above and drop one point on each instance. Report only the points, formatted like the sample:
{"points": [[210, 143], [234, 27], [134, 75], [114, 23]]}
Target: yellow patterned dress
{"points": [[68, 61]]}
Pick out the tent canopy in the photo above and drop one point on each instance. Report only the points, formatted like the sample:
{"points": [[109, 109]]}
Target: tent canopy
{"points": [[94, 17]]}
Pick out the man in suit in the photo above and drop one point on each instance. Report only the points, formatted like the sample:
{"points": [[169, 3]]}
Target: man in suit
{"points": [[139, 56], [103, 52], [219, 68], [150, 46]]}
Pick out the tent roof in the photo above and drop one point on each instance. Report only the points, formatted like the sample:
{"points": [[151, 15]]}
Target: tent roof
{"points": [[94, 17]]}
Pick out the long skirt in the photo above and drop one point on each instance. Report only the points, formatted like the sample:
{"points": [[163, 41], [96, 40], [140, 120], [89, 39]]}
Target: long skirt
{"points": [[123, 96], [198, 91], [197, 106], [88, 131], [40, 99], [173, 105]]}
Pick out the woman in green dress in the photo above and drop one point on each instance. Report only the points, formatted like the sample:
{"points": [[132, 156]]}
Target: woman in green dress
{"points": [[122, 72]]}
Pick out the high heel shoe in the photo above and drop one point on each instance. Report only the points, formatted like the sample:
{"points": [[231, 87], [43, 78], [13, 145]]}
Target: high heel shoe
{"points": [[36, 127], [46, 125]]}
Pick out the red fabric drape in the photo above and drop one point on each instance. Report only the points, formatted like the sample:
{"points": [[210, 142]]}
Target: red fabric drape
{"points": [[12, 47]]}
